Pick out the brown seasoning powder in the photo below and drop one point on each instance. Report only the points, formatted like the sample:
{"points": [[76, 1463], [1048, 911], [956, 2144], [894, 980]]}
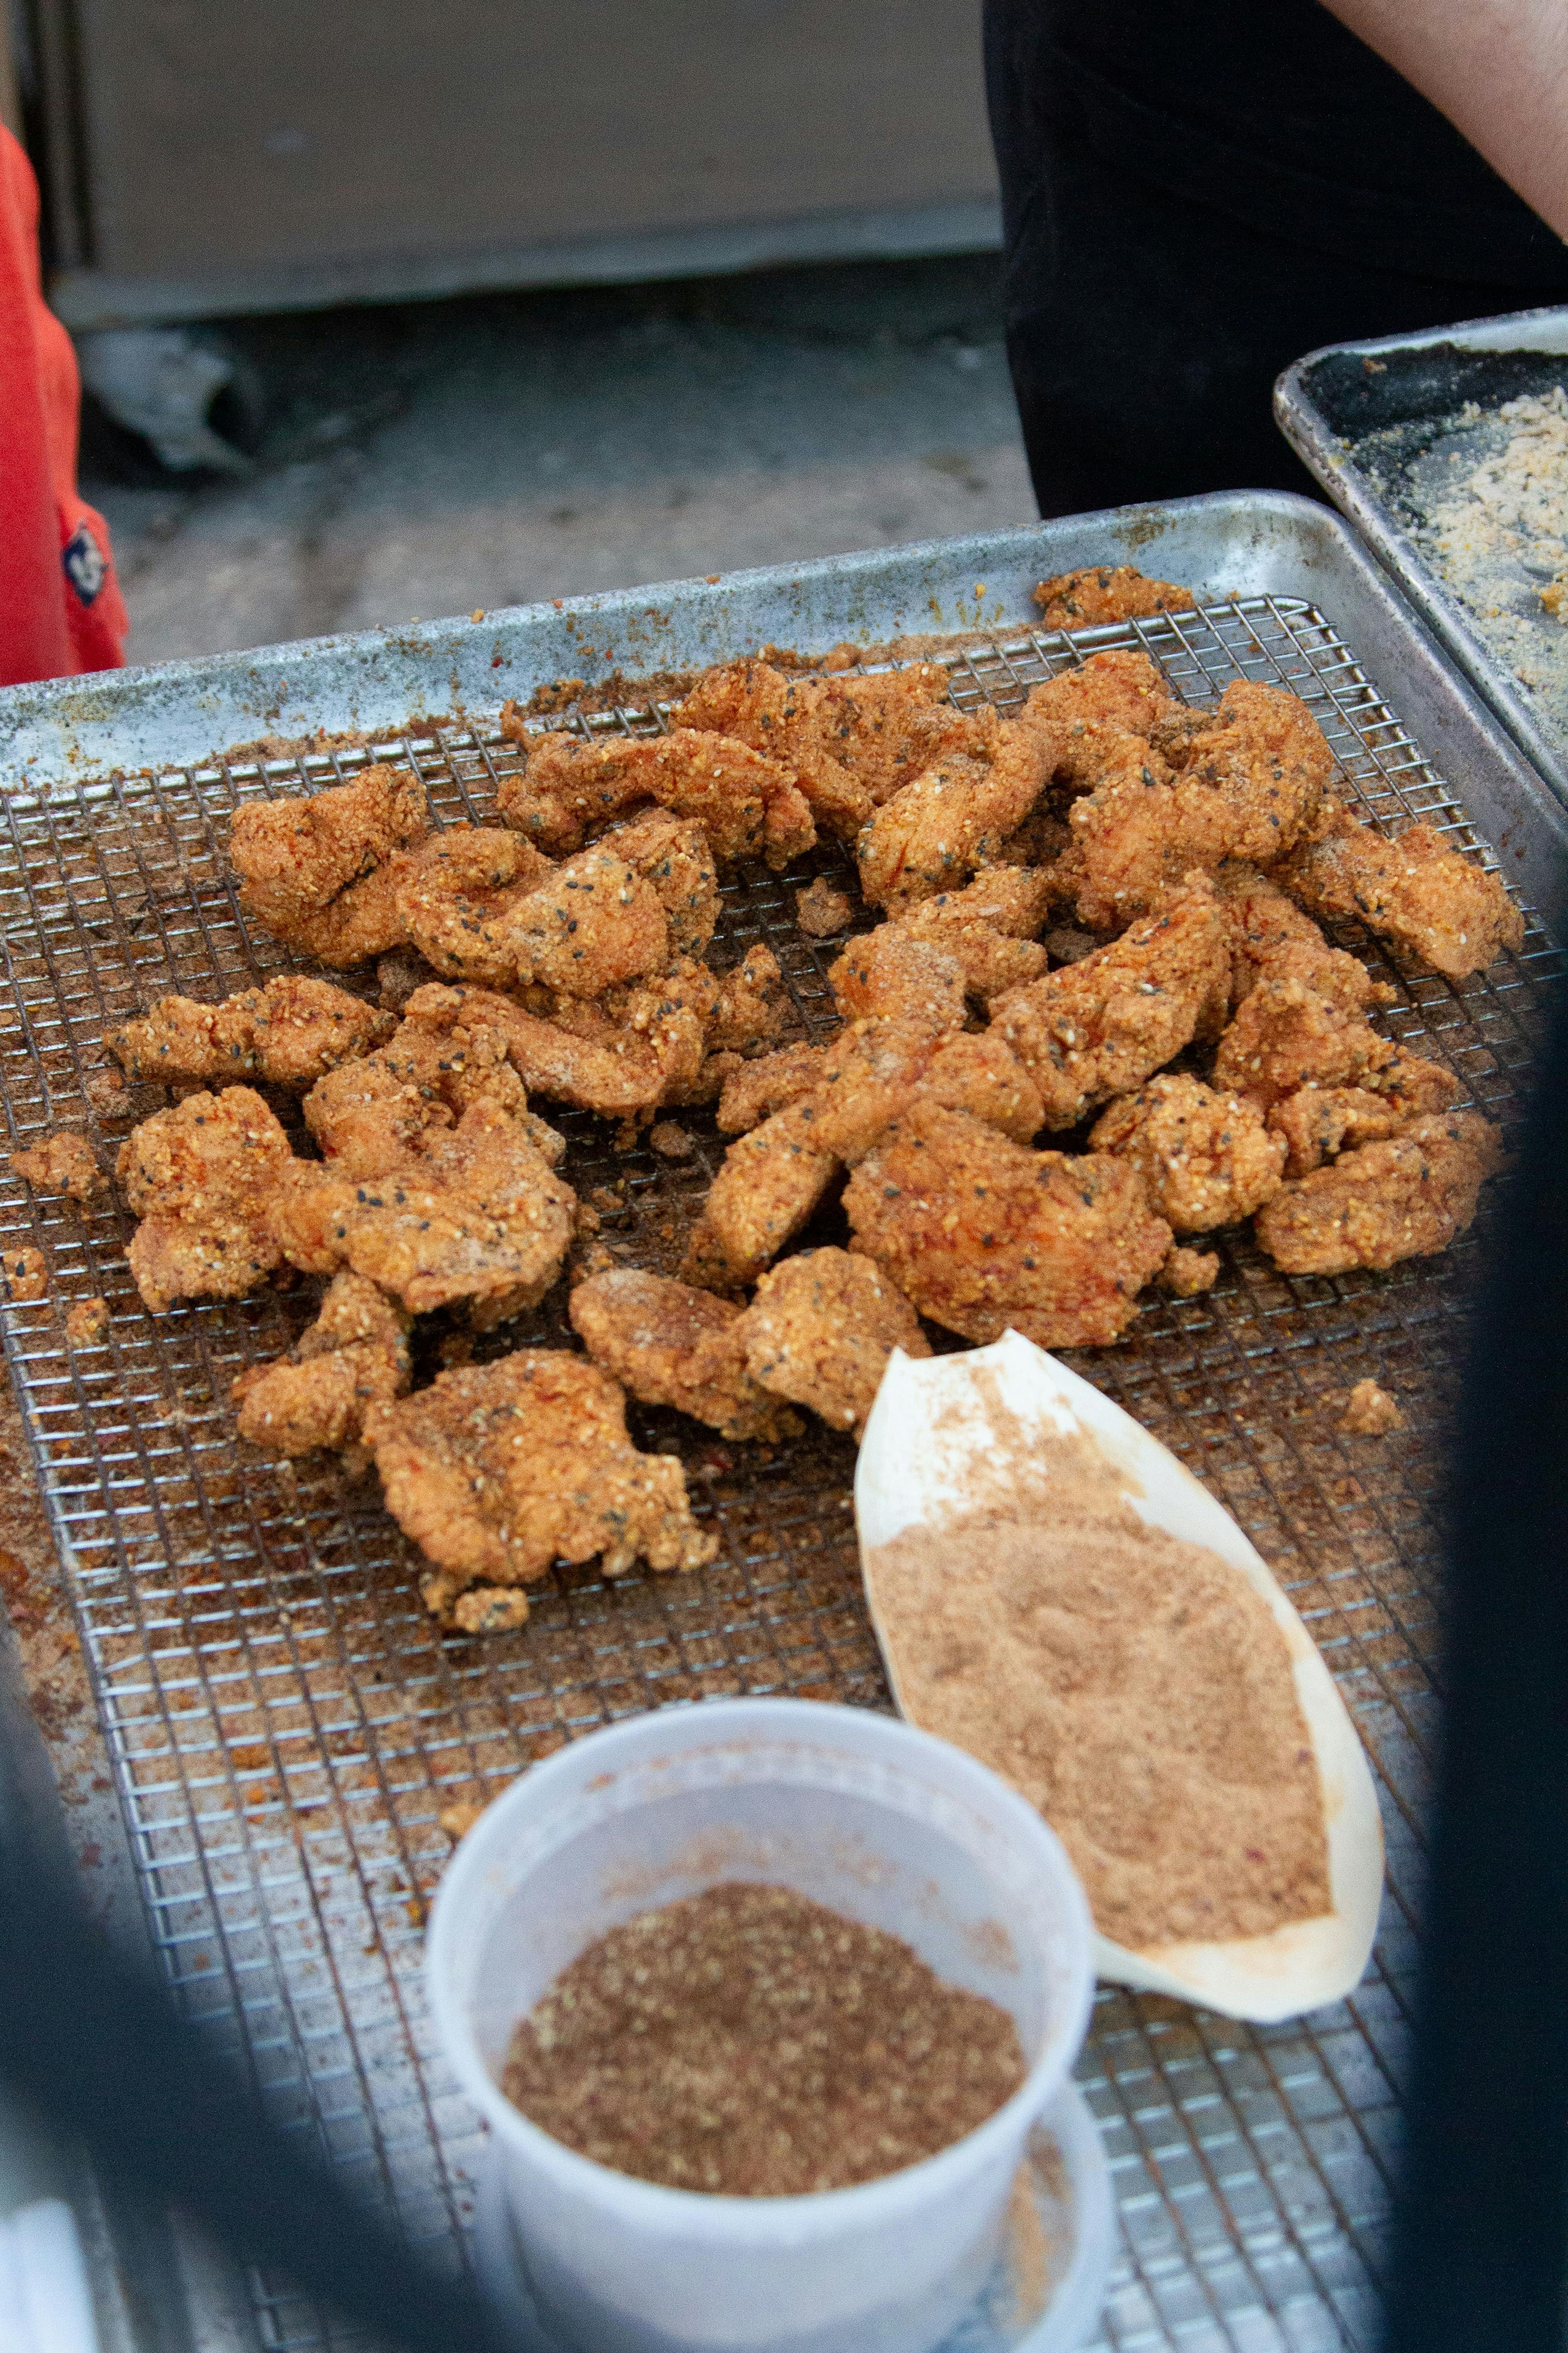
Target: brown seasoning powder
{"points": [[1134, 1688], [749, 2041]]}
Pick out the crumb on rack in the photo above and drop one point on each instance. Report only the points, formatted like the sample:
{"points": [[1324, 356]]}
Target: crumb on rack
{"points": [[27, 1273], [821, 911], [1370, 1412], [87, 1325], [459, 1819], [670, 1141]]}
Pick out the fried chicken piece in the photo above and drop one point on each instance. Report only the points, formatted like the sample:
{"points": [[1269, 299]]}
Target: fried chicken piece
{"points": [[982, 1075], [774, 1177], [983, 1234], [937, 831], [990, 927], [1188, 1273], [368, 1116], [770, 1182], [672, 856], [497, 1471], [1260, 921], [1370, 1412], [890, 726], [749, 806], [1406, 1197], [758, 1089], [453, 891], [821, 1330], [62, 1163], [888, 970], [671, 1345], [1250, 787], [1101, 1027], [1205, 1159], [1416, 891], [479, 1216], [201, 1177], [1081, 600], [594, 923], [321, 872], [289, 1032], [356, 1351], [822, 912], [1078, 714], [785, 717], [613, 1072], [1318, 1123], [1301, 1024]]}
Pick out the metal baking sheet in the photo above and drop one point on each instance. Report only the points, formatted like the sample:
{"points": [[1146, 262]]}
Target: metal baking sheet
{"points": [[1365, 417], [285, 1725]]}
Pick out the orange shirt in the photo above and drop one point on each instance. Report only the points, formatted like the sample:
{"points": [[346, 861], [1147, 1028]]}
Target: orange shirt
{"points": [[60, 607]]}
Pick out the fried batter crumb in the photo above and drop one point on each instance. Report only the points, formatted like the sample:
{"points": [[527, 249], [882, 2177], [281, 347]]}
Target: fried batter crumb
{"points": [[86, 1324], [62, 1163], [459, 1819], [821, 911], [670, 1141], [27, 1273], [1188, 1273], [1370, 1412]]}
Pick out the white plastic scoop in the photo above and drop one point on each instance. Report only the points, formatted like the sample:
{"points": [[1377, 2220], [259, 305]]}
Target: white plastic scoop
{"points": [[931, 1435]]}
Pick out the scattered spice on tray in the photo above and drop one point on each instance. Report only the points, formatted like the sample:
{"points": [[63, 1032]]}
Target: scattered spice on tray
{"points": [[1134, 1687], [750, 2041]]}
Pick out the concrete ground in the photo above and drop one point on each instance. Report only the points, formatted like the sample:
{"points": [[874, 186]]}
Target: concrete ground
{"points": [[424, 460]]}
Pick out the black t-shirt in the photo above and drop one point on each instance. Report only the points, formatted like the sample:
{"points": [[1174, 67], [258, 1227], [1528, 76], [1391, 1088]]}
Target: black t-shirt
{"points": [[1272, 111]]}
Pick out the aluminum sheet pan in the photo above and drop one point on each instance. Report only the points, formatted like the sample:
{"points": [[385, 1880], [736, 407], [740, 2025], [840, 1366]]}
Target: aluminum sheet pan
{"points": [[287, 1727], [1362, 416]]}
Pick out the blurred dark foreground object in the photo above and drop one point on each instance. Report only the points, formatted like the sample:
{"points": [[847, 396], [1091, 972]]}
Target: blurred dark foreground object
{"points": [[97, 2050], [1195, 196], [1480, 2254]]}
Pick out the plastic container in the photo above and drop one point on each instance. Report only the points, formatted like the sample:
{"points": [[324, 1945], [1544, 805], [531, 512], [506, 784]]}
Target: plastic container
{"points": [[1046, 2288], [860, 1812]]}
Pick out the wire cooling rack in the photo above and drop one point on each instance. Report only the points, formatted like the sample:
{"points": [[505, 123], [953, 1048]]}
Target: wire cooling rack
{"points": [[288, 1727]]}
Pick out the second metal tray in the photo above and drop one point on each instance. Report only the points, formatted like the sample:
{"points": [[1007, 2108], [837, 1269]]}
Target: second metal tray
{"points": [[1360, 415]]}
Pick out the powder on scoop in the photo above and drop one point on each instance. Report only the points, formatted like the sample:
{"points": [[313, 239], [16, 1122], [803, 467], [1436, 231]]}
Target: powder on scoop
{"points": [[1135, 1688]]}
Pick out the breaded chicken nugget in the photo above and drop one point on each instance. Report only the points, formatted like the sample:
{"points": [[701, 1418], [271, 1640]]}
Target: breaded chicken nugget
{"points": [[671, 1345], [1082, 600], [1205, 1159], [748, 804], [289, 1032], [202, 1177], [1428, 899], [821, 1330], [1101, 1027], [982, 1234], [356, 1352], [497, 1471], [321, 872], [1405, 1197]]}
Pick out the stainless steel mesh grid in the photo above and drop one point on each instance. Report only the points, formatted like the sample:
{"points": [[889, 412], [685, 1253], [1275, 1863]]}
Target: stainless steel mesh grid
{"points": [[287, 1726]]}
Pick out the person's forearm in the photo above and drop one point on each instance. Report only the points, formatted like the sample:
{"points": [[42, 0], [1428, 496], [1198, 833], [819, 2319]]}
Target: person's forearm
{"points": [[1497, 68]]}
